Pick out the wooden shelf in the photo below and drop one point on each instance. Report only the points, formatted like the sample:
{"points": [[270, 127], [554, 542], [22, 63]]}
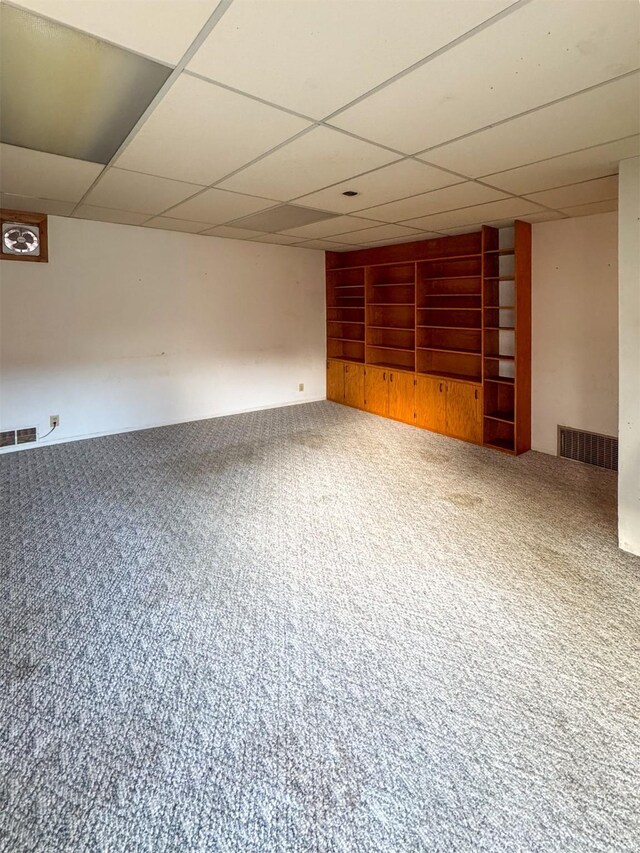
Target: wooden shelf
{"points": [[449, 277], [500, 277], [348, 286], [450, 349], [347, 358], [500, 251], [446, 308], [351, 340], [392, 304], [393, 284], [453, 328], [504, 444], [450, 258], [499, 328], [500, 380], [501, 307], [381, 346], [348, 322], [393, 328], [507, 417], [500, 357], [462, 377], [389, 365]]}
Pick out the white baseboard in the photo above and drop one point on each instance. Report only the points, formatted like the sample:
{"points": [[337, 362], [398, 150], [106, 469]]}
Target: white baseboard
{"points": [[16, 448]]}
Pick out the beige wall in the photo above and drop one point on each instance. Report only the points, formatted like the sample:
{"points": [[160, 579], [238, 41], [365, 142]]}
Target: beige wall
{"points": [[575, 328], [129, 327], [629, 305]]}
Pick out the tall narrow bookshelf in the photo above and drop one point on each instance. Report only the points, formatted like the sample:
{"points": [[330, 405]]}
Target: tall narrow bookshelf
{"points": [[446, 324], [506, 300], [345, 314]]}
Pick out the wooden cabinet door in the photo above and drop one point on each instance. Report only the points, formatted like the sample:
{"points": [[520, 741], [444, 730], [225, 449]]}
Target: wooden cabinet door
{"points": [[431, 403], [354, 385], [376, 390], [402, 397], [335, 381], [464, 411]]}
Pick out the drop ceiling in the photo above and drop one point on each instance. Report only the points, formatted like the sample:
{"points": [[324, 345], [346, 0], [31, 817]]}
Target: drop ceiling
{"points": [[257, 115]]}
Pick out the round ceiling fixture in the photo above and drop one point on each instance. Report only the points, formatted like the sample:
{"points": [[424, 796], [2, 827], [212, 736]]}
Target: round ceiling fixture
{"points": [[350, 193], [20, 240]]}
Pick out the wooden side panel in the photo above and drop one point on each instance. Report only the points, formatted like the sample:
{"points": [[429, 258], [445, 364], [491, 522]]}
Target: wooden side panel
{"points": [[464, 411], [431, 403], [335, 381], [376, 386], [354, 385], [402, 397]]}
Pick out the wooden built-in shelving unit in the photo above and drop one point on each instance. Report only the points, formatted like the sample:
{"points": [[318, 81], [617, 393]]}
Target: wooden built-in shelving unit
{"points": [[506, 300], [437, 333]]}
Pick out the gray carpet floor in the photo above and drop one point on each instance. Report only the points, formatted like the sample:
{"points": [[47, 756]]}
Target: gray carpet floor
{"points": [[312, 630]]}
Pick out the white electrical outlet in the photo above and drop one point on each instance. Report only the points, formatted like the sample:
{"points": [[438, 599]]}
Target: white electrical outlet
{"points": [[54, 421], [301, 386]]}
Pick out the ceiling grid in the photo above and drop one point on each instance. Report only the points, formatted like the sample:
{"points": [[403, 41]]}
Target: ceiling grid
{"points": [[270, 113]]}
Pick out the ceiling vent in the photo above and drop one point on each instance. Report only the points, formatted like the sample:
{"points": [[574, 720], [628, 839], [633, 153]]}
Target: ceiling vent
{"points": [[592, 448]]}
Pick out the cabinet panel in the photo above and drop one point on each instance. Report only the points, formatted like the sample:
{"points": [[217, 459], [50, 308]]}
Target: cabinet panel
{"points": [[335, 381], [402, 398], [464, 411], [377, 390], [431, 403], [354, 385]]}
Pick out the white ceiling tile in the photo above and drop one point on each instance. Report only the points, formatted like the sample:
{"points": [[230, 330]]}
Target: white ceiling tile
{"points": [[571, 168], [604, 114], [465, 229], [586, 192], [449, 198], [156, 28], [408, 177], [608, 206], [543, 51], [319, 158], [330, 227], [34, 173], [105, 214], [280, 239], [508, 208], [200, 132], [326, 245], [36, 205], [425, 235], [167, 223], [543, 216], [233, 233], [378, 234], [316, 56], [217, 206], [124, 190]]}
